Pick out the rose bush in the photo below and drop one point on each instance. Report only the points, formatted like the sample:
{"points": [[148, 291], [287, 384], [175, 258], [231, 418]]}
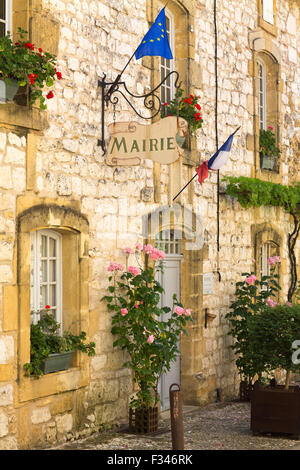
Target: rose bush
{"points": [[148, 332], [252, 297]]}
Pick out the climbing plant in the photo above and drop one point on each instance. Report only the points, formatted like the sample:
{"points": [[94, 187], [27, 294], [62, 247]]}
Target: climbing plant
{"points": [[253, 192]]}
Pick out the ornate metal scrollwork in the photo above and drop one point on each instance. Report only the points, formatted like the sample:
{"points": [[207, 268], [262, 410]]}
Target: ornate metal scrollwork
{"points": [[152, 101]]}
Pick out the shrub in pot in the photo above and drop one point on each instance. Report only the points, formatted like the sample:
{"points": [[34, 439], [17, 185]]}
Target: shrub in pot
{"points": [[274, 333], [252, 296], [147, 332], [46, 343]]}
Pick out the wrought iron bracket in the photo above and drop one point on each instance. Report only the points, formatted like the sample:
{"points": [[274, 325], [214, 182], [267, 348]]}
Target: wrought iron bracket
{"points": [[152, 101]]}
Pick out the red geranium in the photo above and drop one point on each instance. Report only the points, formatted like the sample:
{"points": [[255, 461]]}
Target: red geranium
{"points": [[29, 45], [50, 95]]}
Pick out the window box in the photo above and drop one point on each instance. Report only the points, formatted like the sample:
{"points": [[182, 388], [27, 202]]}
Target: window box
{"points": [[267, 162], [8, 91], [56, 362]]}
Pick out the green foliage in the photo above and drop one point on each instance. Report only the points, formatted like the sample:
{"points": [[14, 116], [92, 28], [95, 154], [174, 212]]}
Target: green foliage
{"points": [[297, 294], [251, 300], [45, 340], [147, 332], [267, 142], [29, 65], [271, 334], [186, 107], [253, 192]]}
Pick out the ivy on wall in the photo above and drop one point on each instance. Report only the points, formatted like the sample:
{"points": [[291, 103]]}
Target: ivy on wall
{"points": [[253, 192]]}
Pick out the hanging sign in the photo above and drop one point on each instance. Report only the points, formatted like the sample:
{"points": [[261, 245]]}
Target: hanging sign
{"points": [[130, 142]]}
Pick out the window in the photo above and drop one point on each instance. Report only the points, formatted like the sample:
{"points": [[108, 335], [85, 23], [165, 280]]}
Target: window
{"points": [[268, 11], [167, 66], [261, 94], [5, 17], [46, 273], [169, 241], [267, 250]]}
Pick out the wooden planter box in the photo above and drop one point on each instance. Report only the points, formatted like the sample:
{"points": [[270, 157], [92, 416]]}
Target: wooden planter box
{"points": [[275, 410], [57, 362], [143, 420]]}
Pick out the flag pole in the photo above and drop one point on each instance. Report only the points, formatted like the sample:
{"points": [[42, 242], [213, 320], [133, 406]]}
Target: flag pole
{"points": [[197, 173]]}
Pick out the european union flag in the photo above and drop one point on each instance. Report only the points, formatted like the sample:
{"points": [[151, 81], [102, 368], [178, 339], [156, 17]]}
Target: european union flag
{"points": [[155, 42]]}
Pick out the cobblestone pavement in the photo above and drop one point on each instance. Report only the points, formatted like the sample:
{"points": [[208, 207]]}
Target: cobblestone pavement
{"points": [[218, 426]]}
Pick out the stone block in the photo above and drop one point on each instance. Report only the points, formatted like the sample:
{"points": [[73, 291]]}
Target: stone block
{"points": [[3, 424], [40, 415], [64, 423], [6, 395]]}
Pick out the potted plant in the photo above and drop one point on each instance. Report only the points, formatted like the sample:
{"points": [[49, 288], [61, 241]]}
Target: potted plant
{"points": [[148, 332], [186, 107], [268, 149], [274, 333], [251, 297], [24, 64], [49, 350]]}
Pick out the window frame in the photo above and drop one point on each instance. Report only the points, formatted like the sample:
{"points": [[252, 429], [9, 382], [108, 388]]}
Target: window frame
{"points": [[163, 62], [268, 11], [262, 93], [35, 265], [8, 16]]}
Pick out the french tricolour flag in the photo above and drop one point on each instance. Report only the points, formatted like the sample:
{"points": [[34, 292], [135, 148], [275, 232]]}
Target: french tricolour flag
{"points": [[216, 161]]}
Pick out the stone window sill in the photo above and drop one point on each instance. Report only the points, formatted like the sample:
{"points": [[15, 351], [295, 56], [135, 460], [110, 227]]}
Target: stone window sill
{"points": [[270, 28], [50, 384], [22, 116]]}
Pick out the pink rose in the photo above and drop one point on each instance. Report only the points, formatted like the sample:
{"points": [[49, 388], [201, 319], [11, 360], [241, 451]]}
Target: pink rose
{"points": [[188, 312], [115, 267], [271, 302], [179, 310], [150, 339], [139, 247], [148, 249], [271, 260], [251, 279], [128, 251], [270, 127], [289, 304], [155, 254], [134, 270], [124, 312]]}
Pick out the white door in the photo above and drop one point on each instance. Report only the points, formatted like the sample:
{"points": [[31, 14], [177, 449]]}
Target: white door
{"points": [[170, 281]]}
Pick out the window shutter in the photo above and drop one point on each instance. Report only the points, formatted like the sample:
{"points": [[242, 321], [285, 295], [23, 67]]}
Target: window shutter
{"points": [[268, 11]]}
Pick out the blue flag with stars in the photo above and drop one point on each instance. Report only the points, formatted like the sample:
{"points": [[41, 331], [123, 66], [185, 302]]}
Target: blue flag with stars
{"points": [[155, 42]]}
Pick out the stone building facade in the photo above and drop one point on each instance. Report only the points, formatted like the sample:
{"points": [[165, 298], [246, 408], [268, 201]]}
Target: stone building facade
{"points": [[54, 177]]}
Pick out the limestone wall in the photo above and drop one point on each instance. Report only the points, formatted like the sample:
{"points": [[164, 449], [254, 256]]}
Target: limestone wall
{"points": [[52, 158]]}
